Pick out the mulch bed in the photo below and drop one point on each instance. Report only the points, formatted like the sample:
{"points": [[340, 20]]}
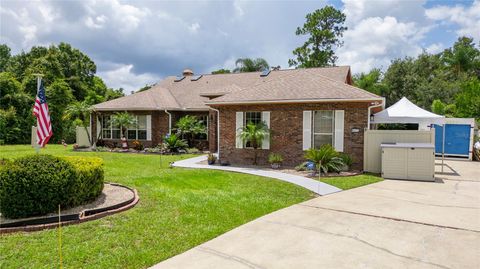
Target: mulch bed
{"points": [[292, 171], [114, 198]]}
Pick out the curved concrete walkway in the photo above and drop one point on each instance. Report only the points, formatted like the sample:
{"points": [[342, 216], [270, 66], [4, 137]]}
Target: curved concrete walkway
{"points": [[307, 183]]}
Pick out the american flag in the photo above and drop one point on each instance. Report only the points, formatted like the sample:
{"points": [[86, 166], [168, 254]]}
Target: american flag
{"points": [[40, 110]]}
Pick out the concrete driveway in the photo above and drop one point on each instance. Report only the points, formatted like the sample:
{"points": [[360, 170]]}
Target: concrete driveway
{"points": [[390, 224]]}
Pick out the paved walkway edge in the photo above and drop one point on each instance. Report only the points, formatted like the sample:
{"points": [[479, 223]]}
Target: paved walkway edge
{"points": [[307, 183]]}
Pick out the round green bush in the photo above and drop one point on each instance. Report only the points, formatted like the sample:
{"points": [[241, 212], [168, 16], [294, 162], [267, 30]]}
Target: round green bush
{"points": [[37, 184]]}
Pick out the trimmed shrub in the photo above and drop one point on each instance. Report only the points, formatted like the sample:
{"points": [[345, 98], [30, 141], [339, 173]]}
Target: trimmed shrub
{"points": [[88, 183], [37, 184]]}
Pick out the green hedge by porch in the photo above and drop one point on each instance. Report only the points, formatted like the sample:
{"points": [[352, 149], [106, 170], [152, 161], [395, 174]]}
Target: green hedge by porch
{"points": [[37, 184]]}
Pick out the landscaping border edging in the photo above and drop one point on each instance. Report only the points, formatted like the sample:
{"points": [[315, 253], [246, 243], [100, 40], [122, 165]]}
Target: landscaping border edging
{"points": [[84, 216]]}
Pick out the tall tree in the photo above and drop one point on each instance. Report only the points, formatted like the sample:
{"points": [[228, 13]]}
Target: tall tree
{"points": [[4, 56], [59, 96], [371, 81], [463, 56], [250, 65], [324, 28]]}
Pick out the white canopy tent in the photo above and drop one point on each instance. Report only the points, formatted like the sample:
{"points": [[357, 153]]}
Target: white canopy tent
{"points": [[405, 111]]}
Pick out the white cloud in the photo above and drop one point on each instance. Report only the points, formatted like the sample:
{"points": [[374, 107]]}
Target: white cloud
{"points": [[122, 76], [435, 48], [467, 18], [374, 42], [124, 16], [194, 27], [97, 22]]}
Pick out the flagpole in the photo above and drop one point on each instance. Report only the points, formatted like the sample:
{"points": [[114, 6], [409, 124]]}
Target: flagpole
{"points": [[39, 81]]}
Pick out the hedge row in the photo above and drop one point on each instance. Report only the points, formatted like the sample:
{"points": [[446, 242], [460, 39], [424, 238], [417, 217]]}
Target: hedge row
{"points": [[37, 184]]}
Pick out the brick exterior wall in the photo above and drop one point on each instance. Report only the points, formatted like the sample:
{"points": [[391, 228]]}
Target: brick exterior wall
{"points": [[159, 127], [286, 124]]}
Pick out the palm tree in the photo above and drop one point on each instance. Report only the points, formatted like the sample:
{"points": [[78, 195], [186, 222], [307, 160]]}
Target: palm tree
{"points": [[326, 159], [254, 134], [124, 120], [250, 65], [80, 113], [189, 126]]}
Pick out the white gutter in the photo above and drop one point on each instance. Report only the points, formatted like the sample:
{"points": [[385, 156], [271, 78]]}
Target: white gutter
{"points": [[370, 111], [169, 122], [293, 101], [218, 132]]}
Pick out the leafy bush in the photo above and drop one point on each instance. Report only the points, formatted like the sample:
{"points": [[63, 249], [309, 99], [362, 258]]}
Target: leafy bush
{"points": [[347, 159], [173, 143], [37, 184], [137, 145], [101, 143], [2, 142], [88, 184], [193, 151], [275, 158], [326, 159]]}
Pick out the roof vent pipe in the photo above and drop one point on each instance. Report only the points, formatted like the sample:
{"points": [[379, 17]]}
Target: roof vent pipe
{"points": [[187, 72]]}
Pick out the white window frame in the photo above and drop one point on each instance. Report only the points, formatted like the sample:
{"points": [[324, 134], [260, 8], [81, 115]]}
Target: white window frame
{"points": [[111, 129], [245, 124], [136, 129], [332, 134]]}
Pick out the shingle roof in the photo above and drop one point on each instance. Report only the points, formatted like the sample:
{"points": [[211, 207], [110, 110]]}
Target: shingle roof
{"points": [[294, 84], [155, 98]]}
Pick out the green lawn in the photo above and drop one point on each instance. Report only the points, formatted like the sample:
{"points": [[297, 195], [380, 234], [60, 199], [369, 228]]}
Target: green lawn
{"points": [[346, 183], [178, 209]]}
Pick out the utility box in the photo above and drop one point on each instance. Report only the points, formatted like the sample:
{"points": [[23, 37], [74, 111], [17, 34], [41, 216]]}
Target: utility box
{"points": [[410, 161]]}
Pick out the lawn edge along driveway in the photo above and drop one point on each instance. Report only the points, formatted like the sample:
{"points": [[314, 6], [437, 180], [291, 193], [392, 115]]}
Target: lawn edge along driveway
{"points": [[316, 186]]}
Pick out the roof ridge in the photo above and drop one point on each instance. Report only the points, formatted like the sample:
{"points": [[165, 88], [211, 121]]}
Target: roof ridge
{"points": [[348, 85], [169, 92]]}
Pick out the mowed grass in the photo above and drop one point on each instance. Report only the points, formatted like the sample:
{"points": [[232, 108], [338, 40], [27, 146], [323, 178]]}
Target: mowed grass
{"points": [[346, 183], [178, 209]]}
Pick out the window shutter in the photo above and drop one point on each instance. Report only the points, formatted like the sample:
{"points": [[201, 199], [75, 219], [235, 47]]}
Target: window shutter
{"points": [[99, 128], [266, 120], [307, 129], [339, 130], [149, 127], [238, 126]]}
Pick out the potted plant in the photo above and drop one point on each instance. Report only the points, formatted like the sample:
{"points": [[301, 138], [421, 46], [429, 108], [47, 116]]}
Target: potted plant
{"points": [[211, 159], [275, 160]]}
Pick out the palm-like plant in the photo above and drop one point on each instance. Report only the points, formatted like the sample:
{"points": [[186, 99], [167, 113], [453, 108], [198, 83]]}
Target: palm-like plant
{"points": [[80, 113], [254, 134], [124, 120], [189, 126], [326, 159], [250, 65]]}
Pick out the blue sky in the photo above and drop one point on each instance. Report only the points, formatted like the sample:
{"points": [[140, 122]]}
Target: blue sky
{"points": [[138, 42]]}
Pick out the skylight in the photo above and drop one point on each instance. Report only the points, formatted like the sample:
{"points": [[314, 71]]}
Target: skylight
{"points": [[177, 79], [195, 78], [265, 73]]}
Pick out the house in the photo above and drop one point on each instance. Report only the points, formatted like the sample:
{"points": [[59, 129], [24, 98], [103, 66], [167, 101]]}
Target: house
{"points": [[303, 108]]}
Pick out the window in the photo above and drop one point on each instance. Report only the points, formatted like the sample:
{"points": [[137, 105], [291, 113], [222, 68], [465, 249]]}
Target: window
{"points": [[138, 132], [204, 120], [251, 117], [323, 128]]}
